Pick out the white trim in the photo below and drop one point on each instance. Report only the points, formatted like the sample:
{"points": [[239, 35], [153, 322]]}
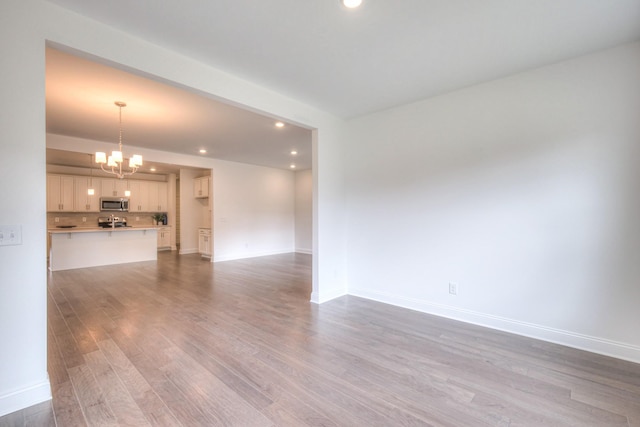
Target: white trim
{"points": [[245, 255], [25, 397], [327, 296], [304, 251], [188, 251], [570, 339]]}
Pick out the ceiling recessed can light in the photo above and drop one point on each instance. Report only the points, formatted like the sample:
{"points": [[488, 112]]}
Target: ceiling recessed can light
{"points": [[351, 4], [203, 151], [279, 124], [294, 152], [292, 166]]}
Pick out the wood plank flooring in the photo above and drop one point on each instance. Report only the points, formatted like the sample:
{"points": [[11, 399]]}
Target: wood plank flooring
{"points": [[183, 342]]}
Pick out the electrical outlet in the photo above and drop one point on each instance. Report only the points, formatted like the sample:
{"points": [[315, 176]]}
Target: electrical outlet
{"points": [[84, 219], [56, 219], [453, 288]]}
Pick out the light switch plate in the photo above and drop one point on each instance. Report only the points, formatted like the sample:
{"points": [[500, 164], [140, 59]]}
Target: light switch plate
{"points": [[10, 235]]}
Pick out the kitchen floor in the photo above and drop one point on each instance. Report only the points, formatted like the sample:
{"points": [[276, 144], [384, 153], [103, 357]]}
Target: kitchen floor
{"points": [[182, 341]]}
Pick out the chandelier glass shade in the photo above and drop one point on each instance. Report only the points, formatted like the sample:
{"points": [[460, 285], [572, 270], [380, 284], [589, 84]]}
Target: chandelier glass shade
{"points": [[116, 159]]}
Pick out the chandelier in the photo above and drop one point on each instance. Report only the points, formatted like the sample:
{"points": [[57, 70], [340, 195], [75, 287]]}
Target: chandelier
{"points": [[116, 158]]}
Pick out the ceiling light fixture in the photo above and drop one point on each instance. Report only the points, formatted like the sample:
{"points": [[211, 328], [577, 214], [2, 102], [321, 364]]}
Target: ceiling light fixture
{"points": [[292, 166], [351, 4], [294, 152], [203, 151], [116, 159], [279, 124]]}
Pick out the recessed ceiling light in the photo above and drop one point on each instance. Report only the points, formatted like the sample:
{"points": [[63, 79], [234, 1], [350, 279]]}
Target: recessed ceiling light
{"points": [[292, 166], [351, 4], [203, 151], [294, 152], [279, 124], [152, 169]]}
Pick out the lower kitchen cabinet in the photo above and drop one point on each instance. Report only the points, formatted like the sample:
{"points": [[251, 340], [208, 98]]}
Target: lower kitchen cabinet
{"points": [[164, 238], [204, 242]]}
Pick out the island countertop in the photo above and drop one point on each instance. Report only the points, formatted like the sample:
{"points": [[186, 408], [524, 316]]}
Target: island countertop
{"points": [[98, 229], [83, 247]]}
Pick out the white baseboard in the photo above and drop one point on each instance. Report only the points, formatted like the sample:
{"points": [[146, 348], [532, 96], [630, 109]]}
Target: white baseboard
{"points": [[23, 398], [327, 295], [188, 251], [570, 339], [304, 251], [244, 255]]}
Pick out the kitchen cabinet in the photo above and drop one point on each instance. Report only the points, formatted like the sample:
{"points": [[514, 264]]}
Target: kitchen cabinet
{"points": [[158, 198], [113, 187], [148, 196], [201, 187], [82, 201], [60, 193], [204, 242], [164, 238], [163, 196], [139, 199]]}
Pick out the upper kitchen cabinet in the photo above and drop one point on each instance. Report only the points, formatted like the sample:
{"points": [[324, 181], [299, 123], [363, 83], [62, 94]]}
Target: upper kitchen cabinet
{"points": [[139, 199], [60, 193], [158, 196], [113, 187], [83, 202], [163, 196], [201, 187]]}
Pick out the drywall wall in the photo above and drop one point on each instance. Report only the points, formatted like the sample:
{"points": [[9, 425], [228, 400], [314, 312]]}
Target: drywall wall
{"points": [[304, 211], [524, 192], [23, 283], [253, 211], [26, 27]]}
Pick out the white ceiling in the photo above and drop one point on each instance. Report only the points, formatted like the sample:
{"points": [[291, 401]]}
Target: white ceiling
{"points": [[80, 96], [346, 62], [386, 53]]}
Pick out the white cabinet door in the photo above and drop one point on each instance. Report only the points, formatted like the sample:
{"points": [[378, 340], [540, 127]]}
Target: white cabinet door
{"points": [[83, 202], [139, 198], [201, 187], [59, 193], [164, 237], [152, 204], [158, 197], [163, 197], [204, 242], [113, 187]]}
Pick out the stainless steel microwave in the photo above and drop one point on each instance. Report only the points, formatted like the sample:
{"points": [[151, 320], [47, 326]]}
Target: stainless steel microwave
{"points": [[114, 204]]}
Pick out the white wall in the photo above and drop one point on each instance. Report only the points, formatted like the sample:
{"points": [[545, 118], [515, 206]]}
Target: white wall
{"points": [[304, 211], [253, 211], [25, 27], [23, 327], [524, 191]]}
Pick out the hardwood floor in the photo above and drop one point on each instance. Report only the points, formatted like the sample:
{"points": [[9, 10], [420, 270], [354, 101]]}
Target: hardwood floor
{"points": [[186, 342]]}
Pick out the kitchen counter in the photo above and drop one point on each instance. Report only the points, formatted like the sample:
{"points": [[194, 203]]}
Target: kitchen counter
{"points": [[98, 229], [91, 247]]}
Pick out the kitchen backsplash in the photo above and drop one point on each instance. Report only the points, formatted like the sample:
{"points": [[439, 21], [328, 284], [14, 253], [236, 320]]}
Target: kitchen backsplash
{"points": [[91, 219]]}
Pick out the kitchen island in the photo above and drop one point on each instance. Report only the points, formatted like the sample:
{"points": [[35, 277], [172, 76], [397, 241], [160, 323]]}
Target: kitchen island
{"points": [[91, 247]]}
